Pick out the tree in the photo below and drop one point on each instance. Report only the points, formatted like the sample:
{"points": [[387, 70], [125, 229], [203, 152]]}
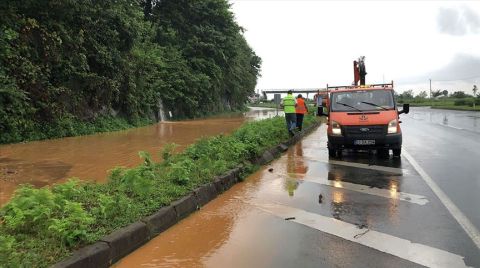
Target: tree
{"points": [[436, 93], [422, 95], [408, 94], [459, 95], [72, 62], [445, 93]]}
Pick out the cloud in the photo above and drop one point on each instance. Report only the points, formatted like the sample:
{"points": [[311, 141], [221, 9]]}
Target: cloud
{"points": [[462, 67], [458, 21], [460, 73]]}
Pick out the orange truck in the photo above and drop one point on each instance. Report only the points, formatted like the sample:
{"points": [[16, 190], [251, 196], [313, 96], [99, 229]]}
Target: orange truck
{"points": [[364, 117]]}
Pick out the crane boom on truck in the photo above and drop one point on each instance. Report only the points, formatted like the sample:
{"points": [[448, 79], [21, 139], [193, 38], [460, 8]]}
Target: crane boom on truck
{"points": [[359, 71], [364, 116]]}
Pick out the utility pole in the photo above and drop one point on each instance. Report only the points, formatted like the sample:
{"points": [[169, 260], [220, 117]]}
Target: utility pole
{"points": [[474, 95], [431, 100]]}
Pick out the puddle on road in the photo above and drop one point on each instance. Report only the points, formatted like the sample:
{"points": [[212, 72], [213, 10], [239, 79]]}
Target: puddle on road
{"points": [[191, 242], [90, 157], [229, 232]]}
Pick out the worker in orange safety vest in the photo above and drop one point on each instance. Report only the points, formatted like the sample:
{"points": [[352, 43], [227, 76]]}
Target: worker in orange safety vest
{"points": [[301, 109]]}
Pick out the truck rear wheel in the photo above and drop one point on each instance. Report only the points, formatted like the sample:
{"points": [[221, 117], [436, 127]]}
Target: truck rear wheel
{"points": [[397, 152]]}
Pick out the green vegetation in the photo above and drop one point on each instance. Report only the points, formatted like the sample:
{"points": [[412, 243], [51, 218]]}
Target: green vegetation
{"points": [[39, 227], [458, 100], [72, 67]]}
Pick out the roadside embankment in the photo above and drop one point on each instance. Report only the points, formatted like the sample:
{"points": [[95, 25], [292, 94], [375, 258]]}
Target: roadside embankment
{"points": [[39, 227]]}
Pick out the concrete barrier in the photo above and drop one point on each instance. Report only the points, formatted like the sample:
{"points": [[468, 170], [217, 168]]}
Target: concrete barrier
{"points": [[237, 172], [96, 255], [266, 158], [282, 147], [121, 242], [185, 206], [205, 193], [126, 240], [275, 152], [217, 182], [160, 220], [229, 179]]}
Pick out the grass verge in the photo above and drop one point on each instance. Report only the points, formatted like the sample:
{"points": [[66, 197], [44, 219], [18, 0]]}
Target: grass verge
{"points": [[465, 104], [39, 227]]}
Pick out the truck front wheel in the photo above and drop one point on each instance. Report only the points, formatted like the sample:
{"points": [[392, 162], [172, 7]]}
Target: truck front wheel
{"points": [[332, 152], [383, 153], [397, 152]]}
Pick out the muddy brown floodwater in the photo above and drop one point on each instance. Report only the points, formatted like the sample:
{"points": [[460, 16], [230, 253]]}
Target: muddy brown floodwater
{"points": [[211, 236], [90, 157]]}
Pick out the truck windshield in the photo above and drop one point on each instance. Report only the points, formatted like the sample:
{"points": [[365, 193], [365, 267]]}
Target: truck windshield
{"points": [[362, 100]]}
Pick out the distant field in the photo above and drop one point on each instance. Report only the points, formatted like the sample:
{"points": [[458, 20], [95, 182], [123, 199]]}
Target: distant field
{"points": [[461, 108], [447, 104]]}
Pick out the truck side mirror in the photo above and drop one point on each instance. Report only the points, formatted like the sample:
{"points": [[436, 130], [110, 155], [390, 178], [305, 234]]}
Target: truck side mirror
{"points": [[406, 109]]}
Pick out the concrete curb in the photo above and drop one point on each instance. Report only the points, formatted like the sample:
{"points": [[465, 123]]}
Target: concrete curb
{"points": [[123, 241], [96, 255], [205, 194], [160, 220], [274, 152], [185, 206]]}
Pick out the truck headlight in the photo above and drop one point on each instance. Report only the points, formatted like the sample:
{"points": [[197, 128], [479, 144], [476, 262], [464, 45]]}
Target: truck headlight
{"points": [[336, 129], [393, 126]]}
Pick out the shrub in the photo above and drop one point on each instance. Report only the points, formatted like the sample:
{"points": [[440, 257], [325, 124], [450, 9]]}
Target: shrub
{"points": [[463, 102]]}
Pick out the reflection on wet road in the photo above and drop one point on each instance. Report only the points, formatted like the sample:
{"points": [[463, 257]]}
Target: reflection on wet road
{"points": [[306, 210], [449, 155], [90, 157], [463, 120]]}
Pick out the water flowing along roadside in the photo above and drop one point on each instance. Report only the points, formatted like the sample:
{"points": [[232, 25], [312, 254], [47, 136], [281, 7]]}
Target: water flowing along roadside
{"points": [[90, 157]]}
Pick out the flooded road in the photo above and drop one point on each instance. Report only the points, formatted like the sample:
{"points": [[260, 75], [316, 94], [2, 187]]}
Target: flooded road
{"points": [[308, 210], [449, 152], [90, 157], [460, 120]]}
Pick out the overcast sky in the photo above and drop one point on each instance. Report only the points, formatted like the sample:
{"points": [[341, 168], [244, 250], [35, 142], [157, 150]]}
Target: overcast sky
{"points": [[307, 44]]}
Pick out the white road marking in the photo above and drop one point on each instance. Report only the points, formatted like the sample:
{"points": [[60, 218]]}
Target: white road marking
{"points": [[405, 249], [451, 207], [392, 193], [459, 128], [395, 171]]}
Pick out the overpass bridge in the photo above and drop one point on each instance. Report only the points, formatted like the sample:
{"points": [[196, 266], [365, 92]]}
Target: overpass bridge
{"points": [[295, 91], [307, 91]]}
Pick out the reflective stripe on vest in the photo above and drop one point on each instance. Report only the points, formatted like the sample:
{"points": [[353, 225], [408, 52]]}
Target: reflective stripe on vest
{"points": [[301, 106], [289, 104]]}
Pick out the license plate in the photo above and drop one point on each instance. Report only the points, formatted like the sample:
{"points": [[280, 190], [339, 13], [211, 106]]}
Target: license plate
{"points": [[364, 142]]}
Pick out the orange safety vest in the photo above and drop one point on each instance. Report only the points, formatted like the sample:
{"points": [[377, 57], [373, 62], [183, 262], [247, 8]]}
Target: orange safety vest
{"points": [[301, 108]]}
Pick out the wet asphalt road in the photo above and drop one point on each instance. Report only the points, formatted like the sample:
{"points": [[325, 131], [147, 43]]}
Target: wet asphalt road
{"points": [[447, 145], [354, 211]]}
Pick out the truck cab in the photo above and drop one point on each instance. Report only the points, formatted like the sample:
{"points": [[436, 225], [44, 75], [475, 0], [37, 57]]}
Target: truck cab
{"points": [[364, 118]]}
